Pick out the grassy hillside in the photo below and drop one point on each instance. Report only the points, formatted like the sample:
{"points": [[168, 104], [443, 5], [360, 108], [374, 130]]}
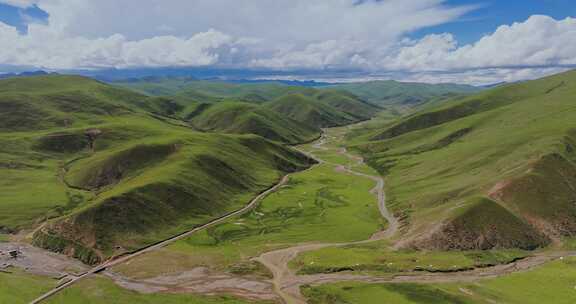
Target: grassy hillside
{"points": [[392, 92], [108, 176], [493, 170], [245, 118], [323, 109], [310, 207], [288, 114]]}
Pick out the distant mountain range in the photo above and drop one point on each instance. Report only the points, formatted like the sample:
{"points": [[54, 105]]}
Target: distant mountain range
{"points": [[25, 74]]}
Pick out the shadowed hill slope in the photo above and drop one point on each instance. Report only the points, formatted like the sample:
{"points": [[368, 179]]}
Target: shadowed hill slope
{"points": [[105, 176], [493, 170]]}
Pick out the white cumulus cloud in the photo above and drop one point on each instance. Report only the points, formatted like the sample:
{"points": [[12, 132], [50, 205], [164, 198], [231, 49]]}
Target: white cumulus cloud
{"points": [[44, 47], [368, 35], [539, 41]]}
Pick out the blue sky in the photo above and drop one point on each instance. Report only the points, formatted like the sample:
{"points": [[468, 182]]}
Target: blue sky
{"points": [[20, 17], [483, 20], [340, 40], [490, 14]]}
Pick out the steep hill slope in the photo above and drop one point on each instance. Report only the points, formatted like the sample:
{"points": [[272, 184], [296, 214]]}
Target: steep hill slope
{"points": [[323, 109], [245, 118], [104, 176], [493, 170], [392, 92]]}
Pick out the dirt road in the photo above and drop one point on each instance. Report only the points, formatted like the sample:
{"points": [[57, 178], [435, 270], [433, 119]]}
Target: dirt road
{"points": [[286, 282], [161, 244]]}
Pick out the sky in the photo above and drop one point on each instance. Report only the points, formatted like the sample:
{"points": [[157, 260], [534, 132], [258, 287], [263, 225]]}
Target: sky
{"points": [[462, 41]]}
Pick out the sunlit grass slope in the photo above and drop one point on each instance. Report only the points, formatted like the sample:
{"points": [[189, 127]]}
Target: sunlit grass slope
{"points": [[493, 170]]}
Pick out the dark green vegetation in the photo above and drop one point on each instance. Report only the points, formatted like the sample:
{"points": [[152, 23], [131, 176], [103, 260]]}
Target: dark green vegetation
{"points": [[407, 94], [108, 176], [492, 170], [551, 283]]}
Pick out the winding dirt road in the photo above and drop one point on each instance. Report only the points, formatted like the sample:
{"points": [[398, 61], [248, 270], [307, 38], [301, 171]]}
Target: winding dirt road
{"points": [[74, 279], [286, 282]]}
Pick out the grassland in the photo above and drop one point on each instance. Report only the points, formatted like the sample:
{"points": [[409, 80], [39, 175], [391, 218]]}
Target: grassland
{"points": [[19, 287], [379, 259], [139, 177], [356, 293], [551, 283], [313, 205], [487, 171]]}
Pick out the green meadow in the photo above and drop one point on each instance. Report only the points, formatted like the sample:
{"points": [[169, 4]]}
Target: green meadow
{"points": [[19, 287], [379, 259], [553, 282], [309, 208]]}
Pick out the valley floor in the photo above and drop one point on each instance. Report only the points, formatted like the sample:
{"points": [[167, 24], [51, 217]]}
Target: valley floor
{"points": [[318, 236]]}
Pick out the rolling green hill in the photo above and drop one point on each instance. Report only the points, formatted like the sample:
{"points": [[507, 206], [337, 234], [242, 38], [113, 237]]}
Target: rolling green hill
{"points": [[390, 92], [104, 176], [288, 114], [245, 118], [492, 170], [204, 90], [323, 109]]}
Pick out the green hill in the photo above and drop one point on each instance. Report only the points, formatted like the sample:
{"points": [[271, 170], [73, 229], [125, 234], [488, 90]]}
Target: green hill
{"points": [[245, 118], [323, 109], [390, 92], [492, 170], [205, 90], [104, 176], [288, 114]]}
